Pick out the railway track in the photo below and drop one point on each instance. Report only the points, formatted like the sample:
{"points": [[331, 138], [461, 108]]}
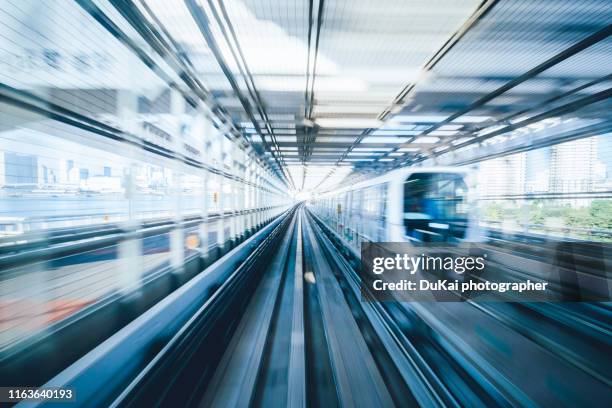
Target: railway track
{"points": [[285, 325]]}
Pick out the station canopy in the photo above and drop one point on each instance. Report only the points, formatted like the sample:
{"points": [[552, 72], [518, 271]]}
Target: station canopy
{"points": [[327, 88]]}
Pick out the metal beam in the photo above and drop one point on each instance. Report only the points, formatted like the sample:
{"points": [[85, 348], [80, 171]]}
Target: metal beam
{"points": [[202, 22], [513, 146], [484, 7], [560, 57]]}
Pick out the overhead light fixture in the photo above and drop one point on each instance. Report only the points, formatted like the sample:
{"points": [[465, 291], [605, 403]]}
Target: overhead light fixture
{"points": [[426, 139], [419, 118], [286, 139], [348, 123], [408, 149], [383, 139], [333, 139], [339, 84], [450, 127], [397, 126], [372, 149], [471, 119], [286, 83], [314, 153], [360, 154], [355, 108], [443, 132], [392, 132]]}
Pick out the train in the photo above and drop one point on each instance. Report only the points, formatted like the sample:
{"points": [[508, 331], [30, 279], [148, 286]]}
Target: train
{"points": [[424, 204]]}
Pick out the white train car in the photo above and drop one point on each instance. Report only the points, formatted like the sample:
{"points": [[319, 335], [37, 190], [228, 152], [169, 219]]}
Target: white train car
{"points": [[405, 205]]}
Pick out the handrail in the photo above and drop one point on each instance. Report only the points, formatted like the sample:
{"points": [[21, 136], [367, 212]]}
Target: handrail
{"points": [[129, 349], [529, 226], [107, 228], [72, 244], [548, 196]]}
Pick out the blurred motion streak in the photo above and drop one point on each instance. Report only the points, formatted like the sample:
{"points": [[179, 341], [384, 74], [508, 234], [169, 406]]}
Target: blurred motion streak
{"points": [[185, 188]]}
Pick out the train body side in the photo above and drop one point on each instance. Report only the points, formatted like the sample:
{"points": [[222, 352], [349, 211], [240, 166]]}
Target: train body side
{"points": [[381, 209]]}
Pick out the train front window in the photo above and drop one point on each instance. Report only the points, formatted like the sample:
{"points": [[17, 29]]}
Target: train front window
{"points": [[435, 206]]}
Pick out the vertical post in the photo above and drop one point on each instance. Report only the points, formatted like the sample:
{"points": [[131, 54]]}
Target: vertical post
{"points": [[257, 200], [204, 243], [247, 197], [236, 196], [177, 250], [264, 201], [525, 216], [220, 217], [177, 247], [242, 201], [221, 196], [254, 197], [231, 199], [250, 223], [130, 265], [204, 227]]}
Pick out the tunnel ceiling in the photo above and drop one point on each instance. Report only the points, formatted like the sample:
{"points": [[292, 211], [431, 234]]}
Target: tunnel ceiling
{"points": [[342, 85]]}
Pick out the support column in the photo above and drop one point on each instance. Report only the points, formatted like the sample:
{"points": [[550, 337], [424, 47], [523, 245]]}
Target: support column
{"points": [[130, 259], [221, 238], [236, 189], [259, 216], [204, 242], [266, 205], [177, 248], [177, 245], [231, 200], [262, 204], [250, 197], [241, 196], [205, 256], [220, 194]]}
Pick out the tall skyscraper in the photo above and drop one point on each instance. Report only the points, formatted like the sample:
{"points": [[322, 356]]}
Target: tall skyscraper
{"points": [[572, 166]]}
